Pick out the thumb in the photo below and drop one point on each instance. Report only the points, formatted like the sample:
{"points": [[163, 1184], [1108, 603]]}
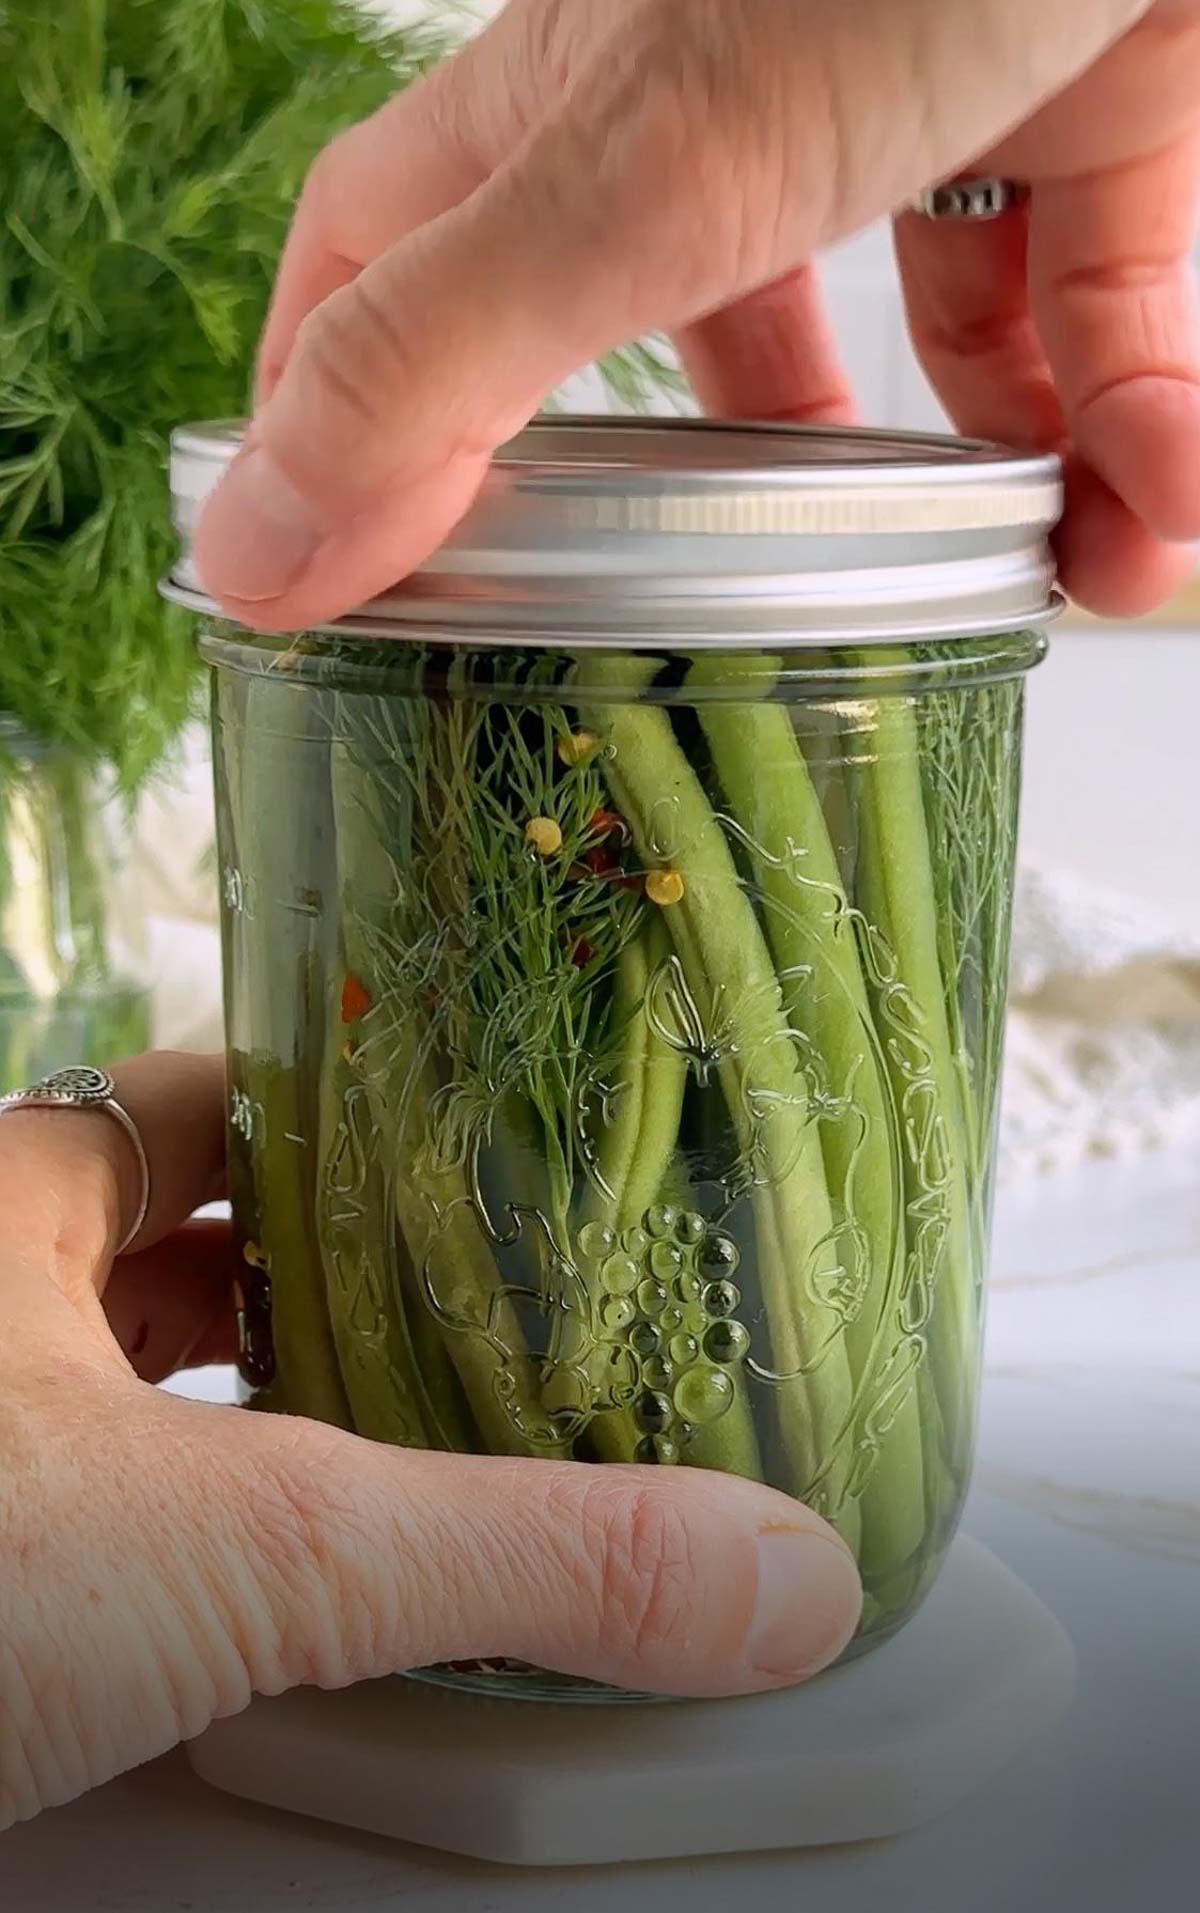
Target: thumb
{"points": [[699, 154], [396, 393], [366, 1561]]}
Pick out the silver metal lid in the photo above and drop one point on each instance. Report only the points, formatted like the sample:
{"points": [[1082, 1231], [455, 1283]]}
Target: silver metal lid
{"points": [[633, 531]]}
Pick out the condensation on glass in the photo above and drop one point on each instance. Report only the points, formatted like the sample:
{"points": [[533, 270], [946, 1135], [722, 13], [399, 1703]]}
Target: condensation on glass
{"points": [[73, 962], [616, 926]]}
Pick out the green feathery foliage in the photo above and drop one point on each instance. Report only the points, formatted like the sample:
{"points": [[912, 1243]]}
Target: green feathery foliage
{"points": [[151, 151]]}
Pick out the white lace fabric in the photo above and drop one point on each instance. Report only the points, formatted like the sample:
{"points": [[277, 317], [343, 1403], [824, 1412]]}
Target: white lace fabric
{"points": [[1103, 1053]]}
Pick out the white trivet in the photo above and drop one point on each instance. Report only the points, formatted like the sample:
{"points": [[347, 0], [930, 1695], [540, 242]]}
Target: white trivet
{"points": [[872, 1748]]}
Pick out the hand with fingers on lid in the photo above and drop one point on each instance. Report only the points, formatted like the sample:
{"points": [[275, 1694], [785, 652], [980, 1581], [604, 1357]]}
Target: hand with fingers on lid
{"points": [[163, 1560], [587, 170]]}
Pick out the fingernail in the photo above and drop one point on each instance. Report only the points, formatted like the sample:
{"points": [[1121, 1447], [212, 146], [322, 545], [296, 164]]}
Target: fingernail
{"points": [[258, 535], [808, 1604]]}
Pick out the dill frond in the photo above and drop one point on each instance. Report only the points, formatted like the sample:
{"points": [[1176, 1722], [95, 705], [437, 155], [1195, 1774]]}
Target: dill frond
{"points": [[151, 151]]}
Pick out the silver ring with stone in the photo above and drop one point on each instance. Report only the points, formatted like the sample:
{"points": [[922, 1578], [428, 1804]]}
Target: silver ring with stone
{"points": [[964, 199], [82, 1087]]}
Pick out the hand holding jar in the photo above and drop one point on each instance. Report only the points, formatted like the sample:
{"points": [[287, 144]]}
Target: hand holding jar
{"points": [[587, 170], [165, 1559], [584, 171]]}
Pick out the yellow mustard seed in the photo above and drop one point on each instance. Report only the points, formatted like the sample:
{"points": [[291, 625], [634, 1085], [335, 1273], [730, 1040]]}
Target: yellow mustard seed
{"points": [[664, 887], [254, 1256], [580, 744], [544, 834]]}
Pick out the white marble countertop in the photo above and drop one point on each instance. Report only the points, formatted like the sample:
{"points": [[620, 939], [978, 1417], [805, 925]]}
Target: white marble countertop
{"points": [[1088, 1485]]}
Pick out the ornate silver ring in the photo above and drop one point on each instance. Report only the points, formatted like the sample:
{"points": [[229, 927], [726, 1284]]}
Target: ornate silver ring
{"points": [[82, 1087], [959, 199]]}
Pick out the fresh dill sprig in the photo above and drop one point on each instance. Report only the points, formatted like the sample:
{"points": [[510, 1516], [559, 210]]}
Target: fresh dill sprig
{"points": [[971, 761], [151, 151], [638, 376], [506, 950]]}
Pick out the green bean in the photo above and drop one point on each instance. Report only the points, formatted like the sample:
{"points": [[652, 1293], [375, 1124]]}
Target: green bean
{"points": [[729, 975], [812, 935]]}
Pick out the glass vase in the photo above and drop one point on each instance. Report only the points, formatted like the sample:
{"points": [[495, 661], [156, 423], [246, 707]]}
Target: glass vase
{"points": [[72, 961]]}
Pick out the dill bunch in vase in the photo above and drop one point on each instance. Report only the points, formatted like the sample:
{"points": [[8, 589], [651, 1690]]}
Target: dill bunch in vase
{"points": [[151, 152]]}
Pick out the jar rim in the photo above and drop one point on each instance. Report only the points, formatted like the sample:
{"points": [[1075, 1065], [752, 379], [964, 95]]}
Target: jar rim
{"points": [[595, 531], [341, 663]]}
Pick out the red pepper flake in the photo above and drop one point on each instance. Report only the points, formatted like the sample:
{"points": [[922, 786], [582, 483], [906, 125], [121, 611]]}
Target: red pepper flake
{"points": [[607, 823], [600, 862], [355, 1000], [582, 954]]}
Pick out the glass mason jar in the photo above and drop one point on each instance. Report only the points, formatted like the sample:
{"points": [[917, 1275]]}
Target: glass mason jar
{"points": [[616, 931], [72, 960]]}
